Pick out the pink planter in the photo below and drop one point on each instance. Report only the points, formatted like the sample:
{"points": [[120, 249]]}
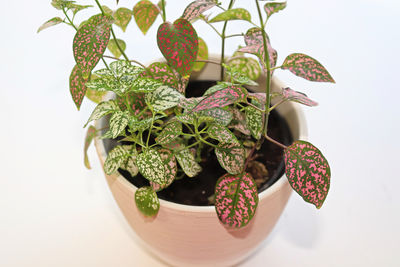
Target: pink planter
{"points": [[184, 235]]}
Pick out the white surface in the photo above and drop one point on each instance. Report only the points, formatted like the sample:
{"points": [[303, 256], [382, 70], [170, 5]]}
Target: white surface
{"points": [[54, 212]]}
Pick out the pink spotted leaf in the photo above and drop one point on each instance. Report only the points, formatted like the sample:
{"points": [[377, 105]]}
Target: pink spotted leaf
{"points": [[90, 134], [160, 71], [171, 168], [274, 7], [299, 97], [307, 67], [221, 98], [308, 172], [179, 45], [169, 133], [236, 199], [77, 86], [91, 41], [145, 13], [231, 157], [196, 8]]}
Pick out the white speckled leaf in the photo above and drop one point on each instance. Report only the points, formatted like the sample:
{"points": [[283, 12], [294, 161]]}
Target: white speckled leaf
{"points": [[170, 132], [145, 85], [147, 201], [171, 168], [188, 163], [115, 159], [254, 119], [103, 109], [231, 157], [222, 134], [163, 98], [119, 120], [151, 166], [239, 121]]}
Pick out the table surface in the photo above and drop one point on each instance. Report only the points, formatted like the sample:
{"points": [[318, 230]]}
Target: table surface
{"points": [[54, 212]]}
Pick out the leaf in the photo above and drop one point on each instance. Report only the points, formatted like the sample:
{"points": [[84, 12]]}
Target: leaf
{"points": [[147, 201], [217, 87], [103, 109], [107, 10], [131, 166], [135, 101], [306, 67], [90, 42], [254, 119], [144, 124], [151, 166], [236, 199], [232, 14], [163, 98], [239, 121], [169, 133], [171, 168], [201, 55], [76, 8], [115, 159], [145, 85], [175, 145], [188, 163], [49, 23], [255, 45], [60, 4], [118, 122], [274, 7], [298, 97], [308, 172], [122, 17], [222, 134], [247, 66], [231, 94], [218, 115], [145, 13], [90, 134], [160, 71], [196, 8], [95, 96], [77, 86], [238, 76], [231, 157], [112, 46], [179, 45]]}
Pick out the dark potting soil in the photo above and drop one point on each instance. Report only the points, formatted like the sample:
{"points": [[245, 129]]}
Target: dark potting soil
{"points": [[266, 168]]}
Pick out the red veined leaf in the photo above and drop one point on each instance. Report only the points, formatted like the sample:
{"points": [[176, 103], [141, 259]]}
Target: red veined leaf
{"points": [[236, 199], [194, 9], [231, 94], [308, 172], [145, 13], [77, 86], [306, 67], [90, 134], [179, 45], [299, 97], [91, 41]]}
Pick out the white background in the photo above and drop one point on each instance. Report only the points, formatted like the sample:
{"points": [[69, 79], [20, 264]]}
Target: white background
{"points": [[54, 212]]}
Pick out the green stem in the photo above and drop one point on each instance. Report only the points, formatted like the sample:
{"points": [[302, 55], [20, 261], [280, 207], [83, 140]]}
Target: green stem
{"points": [[164, 16], [151, 127], [275, 142], [223, 42], [70, 21], [105, 63], [212, 26], [277, 104], [268, 75], [235, 35]]}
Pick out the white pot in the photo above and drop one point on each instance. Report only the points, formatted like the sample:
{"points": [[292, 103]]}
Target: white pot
{"points": [[184, 235]]}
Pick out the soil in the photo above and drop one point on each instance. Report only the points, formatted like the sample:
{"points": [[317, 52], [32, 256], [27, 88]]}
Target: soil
{"points": [[266, 168]]}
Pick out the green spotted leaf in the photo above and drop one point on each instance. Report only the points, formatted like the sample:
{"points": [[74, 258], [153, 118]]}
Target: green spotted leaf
{"points": [[201, 55], [169, 133], [49, 23], [145, 85], [122, 17], [254, 119], [308, 172], [248, 66], [196, 8], [118, 122], [236, 199], [231, 157], [217, 115], [179, 45], [231, 94], [306, 67], [238, 76], [112, 46], [171, 168], [103, 109], [222, 134], [143, 124], [131, 166], [107, 10], [188, 163], [274, 7], [76, 8], [90, 134], [151, 166], [115, 159], [90, 42], [232, 14], [77, 86], [147, 201], [60, 4], [160, 71], [163, 98], [145, 13]]}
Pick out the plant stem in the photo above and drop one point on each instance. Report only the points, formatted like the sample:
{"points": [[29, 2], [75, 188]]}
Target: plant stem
{"points": [[275, 142], [223, 42], [277, 104], [70, 21], [164, 16], [212, 26], [234, 35], [131, 60], [208, 61], [151, 127], [268, 74]]}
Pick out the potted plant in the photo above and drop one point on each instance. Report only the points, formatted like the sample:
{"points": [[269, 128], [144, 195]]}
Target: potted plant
{"points": [[192, 116]]}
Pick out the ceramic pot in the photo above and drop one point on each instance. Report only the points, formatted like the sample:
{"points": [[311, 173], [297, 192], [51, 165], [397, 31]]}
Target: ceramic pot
{"points": [[183, 235]]}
